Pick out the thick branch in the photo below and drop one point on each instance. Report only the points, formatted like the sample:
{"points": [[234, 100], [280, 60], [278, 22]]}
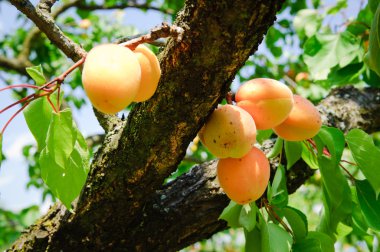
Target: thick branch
{"points": [[144, 6]]}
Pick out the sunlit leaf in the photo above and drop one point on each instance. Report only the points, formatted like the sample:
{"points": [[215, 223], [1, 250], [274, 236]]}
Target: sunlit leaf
{"points": [[307, 22], [263, 135], [37, 74], [231, 214], [366, 156], [309, 156], [247, 217], [64, 159], [324, 51]]}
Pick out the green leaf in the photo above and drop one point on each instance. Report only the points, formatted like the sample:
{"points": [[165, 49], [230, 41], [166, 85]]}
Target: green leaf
{"points": [[293, 152], [253, 240], [277, 148], [247, 217], [373, 5], [307, 155], [38, 116], [274, 238], [366, 156], [315, 242], [337, 198], [307, 22], [279, 190], [64, 160], [61, 137], [297, 221], [358, 222], [231, 214], [37, 74], [369, 203], [372, 57], [333, 139], [324, 51], [263, 135]]}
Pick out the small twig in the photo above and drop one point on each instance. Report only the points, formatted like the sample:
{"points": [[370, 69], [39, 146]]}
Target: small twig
{"points": [[163, 31], [19, 86], [230, 97], [352, 178]]}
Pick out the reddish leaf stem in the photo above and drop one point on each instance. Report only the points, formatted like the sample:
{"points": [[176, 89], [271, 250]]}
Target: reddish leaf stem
{"points": [[13, 116], [17, 102], [18, 86], [51, 104]]}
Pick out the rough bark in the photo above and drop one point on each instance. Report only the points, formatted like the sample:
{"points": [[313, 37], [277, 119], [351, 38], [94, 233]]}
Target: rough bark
{"points": [[138, 154]]}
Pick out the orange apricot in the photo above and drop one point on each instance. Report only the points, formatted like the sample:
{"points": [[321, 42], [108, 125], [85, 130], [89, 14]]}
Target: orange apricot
{"points": [[303, 122], [111, 77], [268, 101], [150, 73], [229, 132], [244, 179]]}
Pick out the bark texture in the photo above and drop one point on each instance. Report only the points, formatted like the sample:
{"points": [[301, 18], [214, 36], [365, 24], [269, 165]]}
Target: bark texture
{"points": [[138, 154]]}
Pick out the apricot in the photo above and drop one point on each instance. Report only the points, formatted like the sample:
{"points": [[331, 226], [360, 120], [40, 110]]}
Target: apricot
{"points": [[268, 101], [244, 179], [150, 73], [303, 122], [229, 132], [111, 77]]}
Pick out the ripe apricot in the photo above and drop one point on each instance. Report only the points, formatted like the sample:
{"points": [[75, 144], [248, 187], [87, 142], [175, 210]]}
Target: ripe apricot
{"points": [[244, 179], [268, 101], [229, 132], [150, 73], [111, 77], [303, 122]]}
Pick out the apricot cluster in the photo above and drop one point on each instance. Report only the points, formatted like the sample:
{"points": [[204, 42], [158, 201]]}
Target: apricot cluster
{"points": [[230, 133], [114, 76]]}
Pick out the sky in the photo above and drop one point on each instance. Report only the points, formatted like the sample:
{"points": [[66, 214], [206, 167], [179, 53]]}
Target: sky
{"points": [[13, 173]]}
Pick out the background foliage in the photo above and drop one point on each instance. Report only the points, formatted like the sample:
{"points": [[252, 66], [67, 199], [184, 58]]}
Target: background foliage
{"points": [[313, 47]]}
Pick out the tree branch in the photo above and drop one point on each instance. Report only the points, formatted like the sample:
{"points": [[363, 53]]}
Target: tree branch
{"points": [[104, 6], [43, 20], [17, 65]]}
